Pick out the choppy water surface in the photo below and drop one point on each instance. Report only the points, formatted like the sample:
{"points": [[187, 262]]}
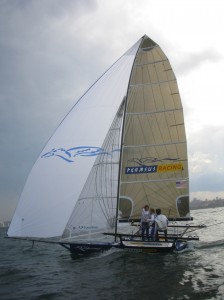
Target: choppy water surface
{"points": [[48, 271]]}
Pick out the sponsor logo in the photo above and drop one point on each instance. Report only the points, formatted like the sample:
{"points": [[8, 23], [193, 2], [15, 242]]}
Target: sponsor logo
{"points": [[141, 170], [86, 227], [154, 169], [182, 184], [170, 167]]}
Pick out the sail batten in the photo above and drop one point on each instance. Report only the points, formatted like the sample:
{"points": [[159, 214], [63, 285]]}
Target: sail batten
{"points": [[154, 145], [151, 83], [154, 180], [151, 63], [148, 48]]}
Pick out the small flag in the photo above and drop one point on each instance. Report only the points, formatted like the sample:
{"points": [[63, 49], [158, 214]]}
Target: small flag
{"points": [[181, 184]]}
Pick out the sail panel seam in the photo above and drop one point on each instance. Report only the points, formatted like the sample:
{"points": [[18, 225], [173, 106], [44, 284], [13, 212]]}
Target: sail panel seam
{"points": [[97, 197], [155, 112], [154, 145]]}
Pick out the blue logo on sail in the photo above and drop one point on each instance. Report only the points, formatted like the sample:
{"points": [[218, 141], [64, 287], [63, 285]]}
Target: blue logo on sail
{"points": [[141, 170], [70, 154]]}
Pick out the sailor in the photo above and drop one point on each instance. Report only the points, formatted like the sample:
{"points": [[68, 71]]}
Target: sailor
{"points": [[161, 223], [145, 217], [152, 222]]}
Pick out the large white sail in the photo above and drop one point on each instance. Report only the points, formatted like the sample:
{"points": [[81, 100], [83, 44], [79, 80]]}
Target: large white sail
{"points": [[60, 173]]}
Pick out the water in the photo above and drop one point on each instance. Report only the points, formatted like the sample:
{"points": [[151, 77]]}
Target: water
{"points": [[48, 271]]}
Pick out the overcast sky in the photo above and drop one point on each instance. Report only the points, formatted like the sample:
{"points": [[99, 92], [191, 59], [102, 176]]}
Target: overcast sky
{"points": [[51, 51]]}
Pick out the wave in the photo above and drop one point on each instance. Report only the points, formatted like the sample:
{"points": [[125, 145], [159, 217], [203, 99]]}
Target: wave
{"points": [[204, 245]]}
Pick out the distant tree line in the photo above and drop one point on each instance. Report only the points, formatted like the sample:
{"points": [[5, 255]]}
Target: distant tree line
{"points": [[198, 204]]}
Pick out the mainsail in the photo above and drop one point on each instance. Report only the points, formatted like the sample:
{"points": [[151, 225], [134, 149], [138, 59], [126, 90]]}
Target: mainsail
{"points": [[154, 150], [122, 146]]}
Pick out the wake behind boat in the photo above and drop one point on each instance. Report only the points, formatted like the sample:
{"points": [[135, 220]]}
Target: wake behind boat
{"points": [[123, 145]]}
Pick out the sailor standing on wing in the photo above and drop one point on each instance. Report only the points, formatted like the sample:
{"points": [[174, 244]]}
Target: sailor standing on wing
{"points": [[145, 222], [161, 223]]}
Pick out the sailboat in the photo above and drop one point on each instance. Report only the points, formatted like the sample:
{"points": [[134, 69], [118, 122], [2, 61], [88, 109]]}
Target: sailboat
{"points": [[122, 146]]}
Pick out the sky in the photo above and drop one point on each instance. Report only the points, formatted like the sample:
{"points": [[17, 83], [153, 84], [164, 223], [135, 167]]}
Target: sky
{"points": [[51, 51]]}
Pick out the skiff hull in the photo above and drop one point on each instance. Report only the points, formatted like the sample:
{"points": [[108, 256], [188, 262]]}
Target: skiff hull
{"points": [[130, 246]]}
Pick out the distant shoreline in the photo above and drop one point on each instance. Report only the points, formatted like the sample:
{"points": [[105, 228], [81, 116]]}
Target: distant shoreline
{"points": [[204, 207], [201, 204], [4, 224]]}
